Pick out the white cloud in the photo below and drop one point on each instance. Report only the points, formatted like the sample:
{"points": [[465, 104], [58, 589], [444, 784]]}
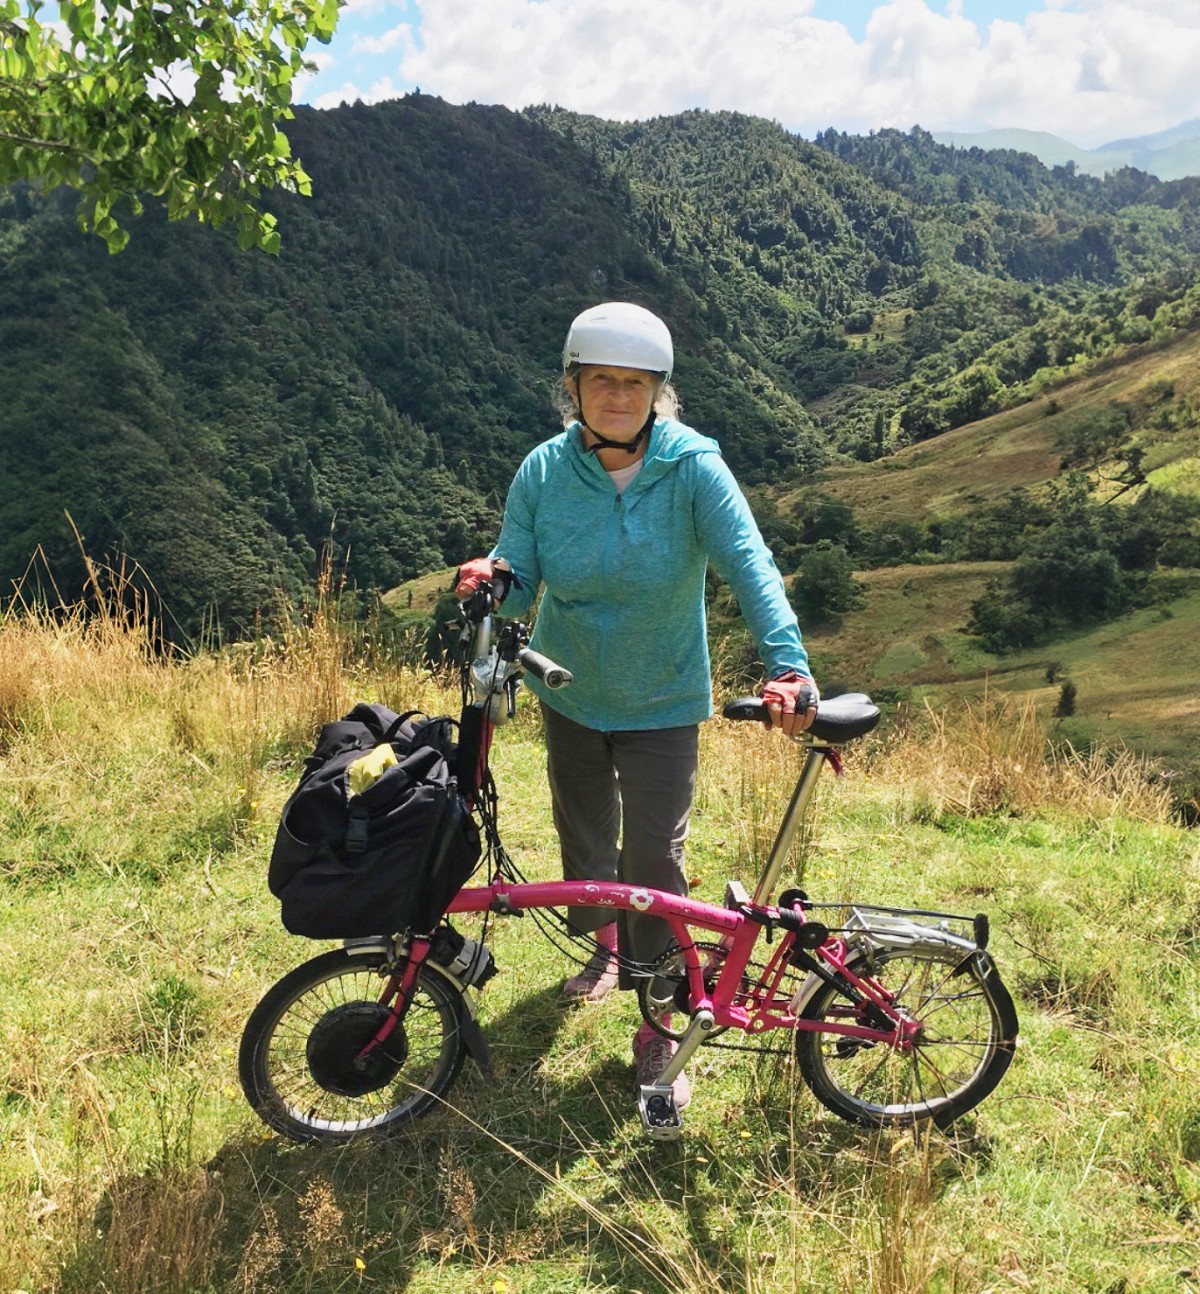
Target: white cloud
{"points": [[349, 92], [1087, 69], [397, 38], [322, 61], [363, 7]]}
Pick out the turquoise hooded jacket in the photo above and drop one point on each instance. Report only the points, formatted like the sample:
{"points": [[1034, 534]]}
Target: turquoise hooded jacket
{"points": [[623, 608]]}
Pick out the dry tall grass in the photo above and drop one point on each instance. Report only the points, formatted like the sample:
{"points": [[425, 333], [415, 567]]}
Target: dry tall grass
{"points": [[992, 755], [53, 651], [86, 662]]}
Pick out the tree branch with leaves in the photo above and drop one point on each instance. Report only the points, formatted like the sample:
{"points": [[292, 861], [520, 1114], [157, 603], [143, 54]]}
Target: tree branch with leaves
{"points": [[181, 99]]}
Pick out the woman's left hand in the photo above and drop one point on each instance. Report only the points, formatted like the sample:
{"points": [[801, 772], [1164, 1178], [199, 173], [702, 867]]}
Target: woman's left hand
{"points": [[791, 702]]}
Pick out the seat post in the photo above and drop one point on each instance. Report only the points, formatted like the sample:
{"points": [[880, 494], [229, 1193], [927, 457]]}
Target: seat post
{"points": [[805, 786]]}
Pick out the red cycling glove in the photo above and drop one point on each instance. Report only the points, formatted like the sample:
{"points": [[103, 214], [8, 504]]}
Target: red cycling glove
{"points": [[471, 575], [479, 571], [786, 692]]}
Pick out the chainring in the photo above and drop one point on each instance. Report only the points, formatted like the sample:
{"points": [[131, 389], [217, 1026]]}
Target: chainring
{"points": [[671, 969]]}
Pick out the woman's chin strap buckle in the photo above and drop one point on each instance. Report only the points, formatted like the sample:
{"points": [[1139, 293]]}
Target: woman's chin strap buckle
{"points": [[629, 446]]}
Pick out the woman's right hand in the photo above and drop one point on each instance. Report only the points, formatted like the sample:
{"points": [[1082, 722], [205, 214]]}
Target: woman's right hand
{"points": [[471, 575], [791, 702], [479, 571]]}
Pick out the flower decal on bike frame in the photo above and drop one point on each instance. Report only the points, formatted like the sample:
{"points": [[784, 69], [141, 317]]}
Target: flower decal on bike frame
{"points": [[640, 899]]}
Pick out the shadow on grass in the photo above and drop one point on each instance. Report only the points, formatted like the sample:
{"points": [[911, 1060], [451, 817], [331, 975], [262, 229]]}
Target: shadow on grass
{"points": [[456, 1187], [545, 1162]]}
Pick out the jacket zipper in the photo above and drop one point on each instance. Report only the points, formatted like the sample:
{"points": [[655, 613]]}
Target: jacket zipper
{"points": [[611, 540]]}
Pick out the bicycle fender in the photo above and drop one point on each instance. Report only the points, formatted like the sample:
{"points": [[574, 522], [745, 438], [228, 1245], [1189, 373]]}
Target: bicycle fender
{"points": [[803, 994], [365, 947], [472, 1034], [476, 1044], [382, 944]]}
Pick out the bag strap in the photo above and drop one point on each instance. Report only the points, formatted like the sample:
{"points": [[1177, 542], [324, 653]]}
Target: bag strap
{"points": [[401, 719]]}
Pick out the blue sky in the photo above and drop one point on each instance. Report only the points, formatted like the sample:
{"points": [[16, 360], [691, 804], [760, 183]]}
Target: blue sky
{"points": [[853, 14], [1088, 70]]}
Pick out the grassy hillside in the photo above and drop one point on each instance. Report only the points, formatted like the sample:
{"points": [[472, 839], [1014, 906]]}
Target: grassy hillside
{"points": [[978, 464], [1135, 676], [138, 799]]}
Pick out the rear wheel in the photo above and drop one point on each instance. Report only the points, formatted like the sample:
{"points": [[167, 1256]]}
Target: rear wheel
{"points": [[968, 1029], [298, 1060]]}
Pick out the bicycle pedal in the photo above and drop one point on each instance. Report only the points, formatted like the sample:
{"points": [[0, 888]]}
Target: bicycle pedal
{"points": [[660, 1117]]}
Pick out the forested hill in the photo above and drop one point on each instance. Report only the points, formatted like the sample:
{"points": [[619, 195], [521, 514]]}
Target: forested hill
{"points": [[218, 415]]}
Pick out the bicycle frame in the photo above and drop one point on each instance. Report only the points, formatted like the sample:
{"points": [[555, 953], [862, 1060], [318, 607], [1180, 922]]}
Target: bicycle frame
{"points": [[739, 932], [733, 1001]]}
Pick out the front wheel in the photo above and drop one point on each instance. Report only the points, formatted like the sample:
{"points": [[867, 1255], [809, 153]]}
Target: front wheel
{"points": [[298, 1064], [968, 1030]]}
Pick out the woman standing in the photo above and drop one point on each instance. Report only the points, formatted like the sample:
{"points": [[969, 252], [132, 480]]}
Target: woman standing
{"points": [[617, 518]]}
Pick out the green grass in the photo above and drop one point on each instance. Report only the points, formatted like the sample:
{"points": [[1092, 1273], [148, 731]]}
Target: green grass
{"points": [[137, 806], [978, 464], [1135, 676]]}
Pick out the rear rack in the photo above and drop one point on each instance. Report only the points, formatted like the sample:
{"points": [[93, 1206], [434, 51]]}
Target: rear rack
{"points": [[884, 925]]}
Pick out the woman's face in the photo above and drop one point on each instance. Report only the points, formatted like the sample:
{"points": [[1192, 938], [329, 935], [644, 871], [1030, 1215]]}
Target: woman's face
{"points": [[615, 401]]}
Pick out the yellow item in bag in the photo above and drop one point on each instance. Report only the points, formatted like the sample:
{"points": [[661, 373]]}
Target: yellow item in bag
{"points": [[369, 768]]}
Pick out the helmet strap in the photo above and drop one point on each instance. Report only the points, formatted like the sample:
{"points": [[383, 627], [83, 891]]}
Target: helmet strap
{"points": [[602, 442], [629, 446]]}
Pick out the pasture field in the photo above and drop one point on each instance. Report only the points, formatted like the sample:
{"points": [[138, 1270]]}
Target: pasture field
{"points": [[1135, 676], [138, 800]]}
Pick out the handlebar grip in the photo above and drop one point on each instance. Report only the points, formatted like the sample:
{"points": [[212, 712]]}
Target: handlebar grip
{"points": [[839, 719], [543, 668]]}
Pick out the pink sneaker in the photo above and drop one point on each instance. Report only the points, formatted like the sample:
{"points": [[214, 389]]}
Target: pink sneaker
{"points": [[651, 1054], [596, 980]]}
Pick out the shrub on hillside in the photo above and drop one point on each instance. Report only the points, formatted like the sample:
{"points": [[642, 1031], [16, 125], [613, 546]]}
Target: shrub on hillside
{"points": [[826, 585], [1088, 565], [1066, 700]]}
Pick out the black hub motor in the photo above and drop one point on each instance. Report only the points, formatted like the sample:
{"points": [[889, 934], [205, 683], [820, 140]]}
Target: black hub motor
{"points": [[338, 1037]]}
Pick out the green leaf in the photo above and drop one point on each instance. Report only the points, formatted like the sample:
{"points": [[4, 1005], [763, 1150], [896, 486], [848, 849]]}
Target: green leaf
{"points": [[327, 17], [80, 18], [92, 97]]}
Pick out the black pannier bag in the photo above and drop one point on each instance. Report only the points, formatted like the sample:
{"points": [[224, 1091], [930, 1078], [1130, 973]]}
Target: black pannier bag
{"points": [[375, 839]]}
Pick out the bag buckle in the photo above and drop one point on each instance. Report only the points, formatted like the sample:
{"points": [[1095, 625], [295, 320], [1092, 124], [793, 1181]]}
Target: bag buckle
{"points": [[357, 830]]}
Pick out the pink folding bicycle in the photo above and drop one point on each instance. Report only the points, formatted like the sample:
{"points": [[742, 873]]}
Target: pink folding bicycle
{"points": [[899, 1016]]}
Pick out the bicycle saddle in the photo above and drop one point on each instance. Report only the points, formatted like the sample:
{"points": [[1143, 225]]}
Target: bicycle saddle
{"points": [[839, 719]]}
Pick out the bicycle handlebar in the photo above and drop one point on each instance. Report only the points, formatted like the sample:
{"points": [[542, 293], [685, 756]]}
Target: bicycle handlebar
{"points": [[477, 613], [543, 668]]}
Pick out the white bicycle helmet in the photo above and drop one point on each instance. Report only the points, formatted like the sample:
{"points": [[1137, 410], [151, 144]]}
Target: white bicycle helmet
{"points": [[620, 334]]}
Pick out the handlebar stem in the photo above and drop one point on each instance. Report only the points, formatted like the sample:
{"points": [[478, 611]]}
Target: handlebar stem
{"points": [[481, 639]]}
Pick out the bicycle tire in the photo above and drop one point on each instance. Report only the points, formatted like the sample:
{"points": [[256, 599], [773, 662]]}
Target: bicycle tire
{"points": [[296, 1054], [969, 1032]]}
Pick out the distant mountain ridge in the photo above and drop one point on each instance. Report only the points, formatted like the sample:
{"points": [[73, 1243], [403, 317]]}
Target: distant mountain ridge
{"points": [[223, 419], [1168, 154]]}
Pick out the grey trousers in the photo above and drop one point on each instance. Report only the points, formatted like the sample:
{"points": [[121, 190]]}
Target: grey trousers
{"points": [[621, 805]]}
